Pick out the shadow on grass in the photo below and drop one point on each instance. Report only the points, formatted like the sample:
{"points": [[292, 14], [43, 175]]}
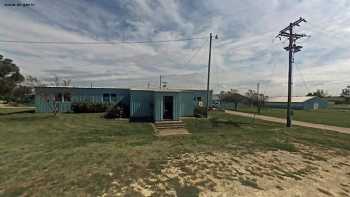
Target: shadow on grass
{"points": [[216, 122], [23, 117]]}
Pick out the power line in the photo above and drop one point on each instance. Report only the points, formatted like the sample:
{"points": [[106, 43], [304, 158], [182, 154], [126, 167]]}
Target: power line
{"points": [[97, 42], [302, 78], [196, 53]]}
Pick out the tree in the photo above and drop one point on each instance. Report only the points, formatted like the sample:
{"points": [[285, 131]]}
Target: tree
{"points": [[56, 80], [10, 77], [255, 99], [252, 97], [67, 83], [232, 96], [24, 92], [346, 94], [319, 93]]}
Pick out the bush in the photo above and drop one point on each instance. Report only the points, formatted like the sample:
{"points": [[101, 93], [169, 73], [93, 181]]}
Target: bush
{"points": [[89, 107], [117, 111], [200, 112]]}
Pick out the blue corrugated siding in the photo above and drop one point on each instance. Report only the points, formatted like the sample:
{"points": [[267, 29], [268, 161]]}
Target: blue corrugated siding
{"points": [[307, 105], [188, 100], [141, 104], [90, 95], [188, 103], [158, 105]]}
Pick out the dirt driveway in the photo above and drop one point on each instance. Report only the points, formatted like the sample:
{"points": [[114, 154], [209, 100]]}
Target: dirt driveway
{"points": [[298, 123], [309, 172]]}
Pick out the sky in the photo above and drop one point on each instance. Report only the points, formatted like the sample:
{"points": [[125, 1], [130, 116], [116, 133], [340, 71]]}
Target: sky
{"points": [[245, 54]]}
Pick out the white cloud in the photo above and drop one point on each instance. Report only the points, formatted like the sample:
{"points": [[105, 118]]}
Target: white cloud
{"points": [[244, 55]]}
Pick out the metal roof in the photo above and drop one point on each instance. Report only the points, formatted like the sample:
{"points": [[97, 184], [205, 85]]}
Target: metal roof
{"points": [[74, 87], [131, 89], [284, 99], [168, 90]]}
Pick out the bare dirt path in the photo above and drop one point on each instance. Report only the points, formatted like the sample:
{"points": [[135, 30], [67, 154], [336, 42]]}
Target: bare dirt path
{"points": [[298, 123], [312, 171]]}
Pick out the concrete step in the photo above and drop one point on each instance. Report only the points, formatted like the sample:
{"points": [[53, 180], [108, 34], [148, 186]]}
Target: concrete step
{"points": [[173, 124], [168, 128], [168, 123], [172, 132]]}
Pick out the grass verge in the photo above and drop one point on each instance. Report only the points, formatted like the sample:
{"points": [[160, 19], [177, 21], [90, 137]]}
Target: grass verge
{"points": [[80, 154]]}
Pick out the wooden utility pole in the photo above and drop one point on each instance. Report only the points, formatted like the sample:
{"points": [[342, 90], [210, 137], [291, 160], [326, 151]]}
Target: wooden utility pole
{"points": [[292, 48], [208, 79], [290, 75]]}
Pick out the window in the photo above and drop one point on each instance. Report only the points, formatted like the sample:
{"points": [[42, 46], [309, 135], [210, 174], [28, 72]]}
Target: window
{"points": [[114, 98], [106, 98], [67, 97], [58, 97]]}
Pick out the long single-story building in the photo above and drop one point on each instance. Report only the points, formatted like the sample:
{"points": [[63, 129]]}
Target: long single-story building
{"points": [[144, 104], [298, 102]]}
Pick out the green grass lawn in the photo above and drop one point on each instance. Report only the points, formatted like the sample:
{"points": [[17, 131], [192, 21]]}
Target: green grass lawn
{"points": [[333, 116], [80, 154]]}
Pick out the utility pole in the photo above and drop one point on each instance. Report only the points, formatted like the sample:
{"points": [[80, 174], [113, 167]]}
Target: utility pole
{"points": [[258, 96], [208, 79], [292, 48]]}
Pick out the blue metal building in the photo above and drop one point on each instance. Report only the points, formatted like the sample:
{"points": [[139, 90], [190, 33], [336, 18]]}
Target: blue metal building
{"points": [[148, 105], [298, 103]]}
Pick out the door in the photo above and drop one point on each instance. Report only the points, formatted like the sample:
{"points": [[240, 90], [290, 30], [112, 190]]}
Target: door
{"points": [[168, 108], [315, 106]]}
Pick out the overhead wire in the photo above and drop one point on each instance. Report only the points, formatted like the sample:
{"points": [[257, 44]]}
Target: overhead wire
{"points": [[96, 42], [302, 77]]}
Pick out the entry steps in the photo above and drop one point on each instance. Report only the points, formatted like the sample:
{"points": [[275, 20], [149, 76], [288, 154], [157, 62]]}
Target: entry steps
{"points": [[167, 128]]}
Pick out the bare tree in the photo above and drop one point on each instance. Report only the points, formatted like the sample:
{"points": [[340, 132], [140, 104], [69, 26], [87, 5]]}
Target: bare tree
{"points": [[67, 82], [56, 80], [50, 100]]}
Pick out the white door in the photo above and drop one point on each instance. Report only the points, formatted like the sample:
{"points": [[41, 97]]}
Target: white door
{"points": [[315, 106]]}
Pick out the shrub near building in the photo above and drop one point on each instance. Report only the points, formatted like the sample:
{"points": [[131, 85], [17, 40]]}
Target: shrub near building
{"points": [[89, 107]]}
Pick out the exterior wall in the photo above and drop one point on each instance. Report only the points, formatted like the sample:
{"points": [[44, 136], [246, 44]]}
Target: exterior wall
{"points": [[296, 106], [141, 105], [158, 105], [187, 104], [307, 105], [188, 101], [44, 97]]}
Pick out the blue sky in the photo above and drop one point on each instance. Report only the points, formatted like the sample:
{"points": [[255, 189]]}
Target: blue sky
{"points": [[245, 54]]}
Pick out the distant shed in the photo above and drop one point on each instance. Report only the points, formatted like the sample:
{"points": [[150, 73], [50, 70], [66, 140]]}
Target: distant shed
{"points": [[298, 103]]}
